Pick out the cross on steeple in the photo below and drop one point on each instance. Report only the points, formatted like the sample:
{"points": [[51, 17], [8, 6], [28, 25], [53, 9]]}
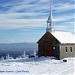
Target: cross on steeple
{"points": [[50, 22]]}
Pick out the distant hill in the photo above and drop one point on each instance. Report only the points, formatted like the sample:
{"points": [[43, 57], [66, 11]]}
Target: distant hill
{"points": [[15, 49]]}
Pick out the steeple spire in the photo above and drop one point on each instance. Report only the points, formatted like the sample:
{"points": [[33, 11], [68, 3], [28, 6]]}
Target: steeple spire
{"points": [[50, 22]]}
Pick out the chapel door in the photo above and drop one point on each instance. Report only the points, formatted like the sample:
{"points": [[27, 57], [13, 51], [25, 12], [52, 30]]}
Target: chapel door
{"points": [[48, 50]]}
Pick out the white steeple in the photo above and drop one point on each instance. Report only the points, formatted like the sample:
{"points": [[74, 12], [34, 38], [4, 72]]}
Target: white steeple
{"points": [[50, 22]]}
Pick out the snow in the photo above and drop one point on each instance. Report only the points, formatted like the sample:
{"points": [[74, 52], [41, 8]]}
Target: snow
{"points": [[38, 66], [64, 37]]}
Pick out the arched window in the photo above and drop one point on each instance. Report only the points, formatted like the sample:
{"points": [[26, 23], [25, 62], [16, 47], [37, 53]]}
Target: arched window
{"points": [[66, 49], [71, 49]]}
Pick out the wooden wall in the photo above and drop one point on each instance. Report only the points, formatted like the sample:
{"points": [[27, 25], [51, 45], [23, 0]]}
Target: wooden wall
{"points": [[51, 40]]}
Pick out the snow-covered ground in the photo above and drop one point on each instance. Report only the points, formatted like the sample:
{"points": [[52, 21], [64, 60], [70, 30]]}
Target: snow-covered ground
{"points": [[39, 66]]}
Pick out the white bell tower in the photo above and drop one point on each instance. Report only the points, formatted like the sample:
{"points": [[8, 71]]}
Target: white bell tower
{"points": [[50, 23]]}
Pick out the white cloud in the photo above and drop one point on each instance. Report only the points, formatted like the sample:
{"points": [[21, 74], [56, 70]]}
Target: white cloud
{"points": [[38, 6], [13, 19], [19, 23], [63, 7], [16, 5], [64, 17], [20, 15], [66, 26]]}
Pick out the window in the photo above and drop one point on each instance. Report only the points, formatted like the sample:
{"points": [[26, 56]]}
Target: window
{"points": [[66, 49], [71, 49], [53, 47]]}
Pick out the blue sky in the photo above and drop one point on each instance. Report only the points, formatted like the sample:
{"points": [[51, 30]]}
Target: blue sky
{"points": [[25, 20]]}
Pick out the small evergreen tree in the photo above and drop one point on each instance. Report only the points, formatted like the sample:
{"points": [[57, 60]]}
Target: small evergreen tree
{"points": [[2, 58], [35, 54], [24, 54], [7, 56]]}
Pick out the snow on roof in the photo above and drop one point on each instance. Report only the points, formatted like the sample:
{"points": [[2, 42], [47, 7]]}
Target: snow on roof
{"points": [[64, 37]]}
